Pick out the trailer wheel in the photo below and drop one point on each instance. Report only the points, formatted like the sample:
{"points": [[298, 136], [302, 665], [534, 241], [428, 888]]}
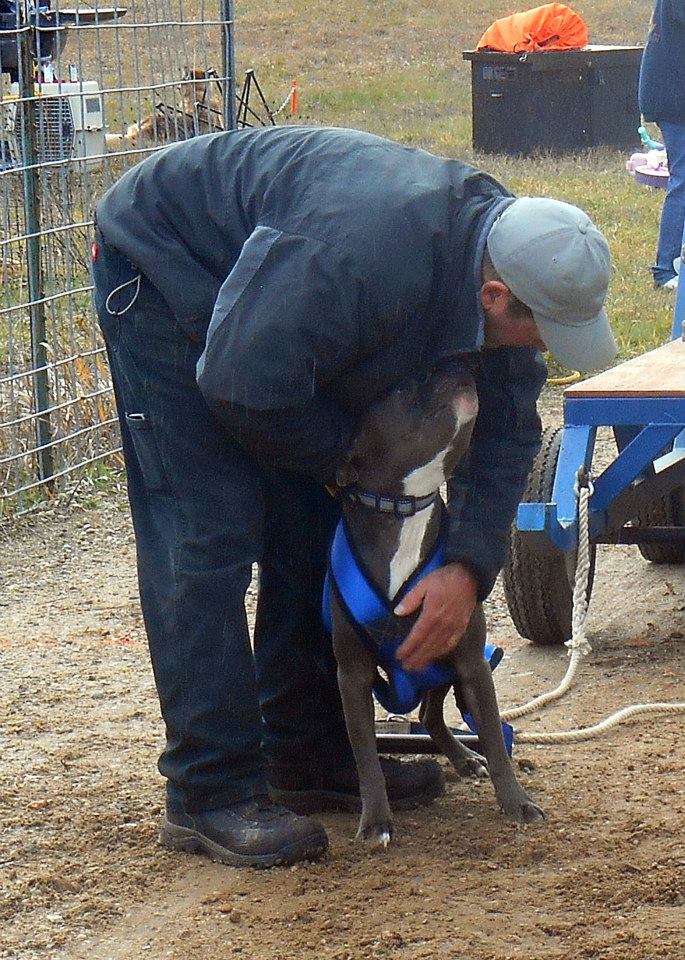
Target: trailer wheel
{"points": [[669, 511], [538, 582]]}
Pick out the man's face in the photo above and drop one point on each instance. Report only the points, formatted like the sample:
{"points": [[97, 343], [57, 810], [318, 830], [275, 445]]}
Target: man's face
{"points": [[505, 325]]}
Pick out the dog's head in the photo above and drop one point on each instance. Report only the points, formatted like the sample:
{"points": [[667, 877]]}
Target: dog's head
{"points": [[411, 440]]}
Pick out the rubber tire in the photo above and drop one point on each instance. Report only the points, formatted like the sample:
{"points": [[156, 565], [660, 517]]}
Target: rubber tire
{"points": [[538, 583], [669, 511]]}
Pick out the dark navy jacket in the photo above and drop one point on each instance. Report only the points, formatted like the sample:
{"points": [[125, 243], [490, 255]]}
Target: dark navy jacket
{"points": [[332, 264], [662, 73]]}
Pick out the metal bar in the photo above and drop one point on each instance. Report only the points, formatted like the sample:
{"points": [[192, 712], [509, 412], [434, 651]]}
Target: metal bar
{"points": [[631, 462], [29, 117], [625, 434], [419, 743], [556, 523], [577, 448], [620, 410], [539, 521], [63, 228], [53, 365], [93, 427], [228, 68], [62, 473], [155, 87], [41, 301], [58, 406], [636, 498], [267, 108], [117, 25], [415, 740]]}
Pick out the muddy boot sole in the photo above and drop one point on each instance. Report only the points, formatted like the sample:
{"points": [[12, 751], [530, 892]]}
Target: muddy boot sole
{"points": [[187, 840]]}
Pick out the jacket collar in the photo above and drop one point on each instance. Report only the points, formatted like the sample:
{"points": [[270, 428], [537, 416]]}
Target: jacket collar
{"points": [[460, 330], [484, 226]]}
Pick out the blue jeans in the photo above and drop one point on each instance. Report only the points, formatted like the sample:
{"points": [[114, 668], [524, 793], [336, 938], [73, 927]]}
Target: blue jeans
{"points": [[673, 212], [203, 512]]}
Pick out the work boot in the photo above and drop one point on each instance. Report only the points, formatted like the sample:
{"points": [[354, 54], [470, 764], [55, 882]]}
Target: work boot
{"points": [[311, 788], [251, 833]]}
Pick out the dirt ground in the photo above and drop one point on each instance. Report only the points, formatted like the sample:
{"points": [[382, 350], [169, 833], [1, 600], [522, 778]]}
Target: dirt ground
{"points": [[82, 875]]}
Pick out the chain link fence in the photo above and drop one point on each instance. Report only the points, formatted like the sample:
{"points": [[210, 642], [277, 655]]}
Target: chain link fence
{"points": [[86, 92]]}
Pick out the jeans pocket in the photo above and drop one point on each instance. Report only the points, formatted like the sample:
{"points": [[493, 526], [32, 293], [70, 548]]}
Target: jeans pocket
{"points": [[147, 452]]}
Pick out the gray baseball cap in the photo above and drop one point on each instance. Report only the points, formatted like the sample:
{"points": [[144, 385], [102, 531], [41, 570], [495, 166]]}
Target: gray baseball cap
{"points": [[555, 261]]}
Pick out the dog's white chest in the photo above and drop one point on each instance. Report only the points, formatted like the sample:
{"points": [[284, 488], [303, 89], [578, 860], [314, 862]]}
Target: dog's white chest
{"points": [[407, 557]]}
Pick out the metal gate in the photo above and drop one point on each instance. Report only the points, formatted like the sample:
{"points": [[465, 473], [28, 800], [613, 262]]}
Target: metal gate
{"points": [[86, 93]]}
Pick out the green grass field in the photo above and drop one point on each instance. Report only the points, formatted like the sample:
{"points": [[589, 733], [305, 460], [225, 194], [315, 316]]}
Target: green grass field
{"points": [[395, 68]]}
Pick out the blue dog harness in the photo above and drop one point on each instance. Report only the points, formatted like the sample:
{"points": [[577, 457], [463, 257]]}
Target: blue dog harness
{"points": [[382, 632]]}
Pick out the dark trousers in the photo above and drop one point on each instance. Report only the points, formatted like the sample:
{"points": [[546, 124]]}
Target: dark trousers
{"points": [[203, 513]]}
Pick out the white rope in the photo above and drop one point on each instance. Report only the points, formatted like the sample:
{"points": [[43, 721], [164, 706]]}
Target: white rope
{"points": [[579, 647], [589, 733]]}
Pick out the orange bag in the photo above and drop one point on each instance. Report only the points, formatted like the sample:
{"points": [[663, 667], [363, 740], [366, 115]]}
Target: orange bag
{"points": [[554, 26]]}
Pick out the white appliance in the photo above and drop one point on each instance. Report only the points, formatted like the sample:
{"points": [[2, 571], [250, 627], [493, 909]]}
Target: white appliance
{"points": [[69, 125]]}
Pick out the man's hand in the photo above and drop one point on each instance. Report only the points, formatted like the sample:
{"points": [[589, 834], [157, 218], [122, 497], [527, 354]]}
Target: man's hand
{"points": [[449, 596]]}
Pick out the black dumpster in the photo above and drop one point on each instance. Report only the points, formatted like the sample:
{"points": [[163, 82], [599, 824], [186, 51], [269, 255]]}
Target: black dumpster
{"points": [[559, 101]]}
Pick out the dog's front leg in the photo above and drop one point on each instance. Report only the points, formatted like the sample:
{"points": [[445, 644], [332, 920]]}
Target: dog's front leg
{"points": [[478, 690], [356, 675]]}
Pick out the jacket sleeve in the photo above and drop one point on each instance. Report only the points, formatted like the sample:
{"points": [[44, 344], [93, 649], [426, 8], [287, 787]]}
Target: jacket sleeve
{"points": [[484, 491], [285, 324]]}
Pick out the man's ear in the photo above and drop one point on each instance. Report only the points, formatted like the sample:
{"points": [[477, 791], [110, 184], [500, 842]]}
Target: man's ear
{"points": [[494, 293], [346, 474]]}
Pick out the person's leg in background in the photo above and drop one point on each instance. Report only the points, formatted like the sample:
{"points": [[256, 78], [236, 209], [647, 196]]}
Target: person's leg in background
{"points": [[198, 512], [673, 211]]}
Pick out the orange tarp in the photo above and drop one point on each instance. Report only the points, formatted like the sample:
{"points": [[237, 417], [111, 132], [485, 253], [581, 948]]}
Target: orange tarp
{"points": [[553, 26]]}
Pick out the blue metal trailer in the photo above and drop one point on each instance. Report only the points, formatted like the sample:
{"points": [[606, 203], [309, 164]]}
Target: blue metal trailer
{"points": [[638, 498]]}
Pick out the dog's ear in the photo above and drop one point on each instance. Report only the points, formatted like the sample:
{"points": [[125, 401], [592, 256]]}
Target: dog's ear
{"points": [[346, 473]]}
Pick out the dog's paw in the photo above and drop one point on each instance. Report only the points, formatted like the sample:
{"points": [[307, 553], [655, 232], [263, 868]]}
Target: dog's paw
{"points": [[522, 810], [376, 835]]}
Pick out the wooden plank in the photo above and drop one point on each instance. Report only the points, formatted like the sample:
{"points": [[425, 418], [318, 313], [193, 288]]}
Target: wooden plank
{"points": [[659, 373]]}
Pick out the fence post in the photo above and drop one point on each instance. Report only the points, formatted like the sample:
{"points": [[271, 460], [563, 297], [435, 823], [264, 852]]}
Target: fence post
{"points": [[30, 174], [228, 66]]}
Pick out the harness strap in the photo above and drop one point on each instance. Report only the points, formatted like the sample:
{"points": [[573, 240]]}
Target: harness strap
{"points": [[382, 632], [362, 597]]}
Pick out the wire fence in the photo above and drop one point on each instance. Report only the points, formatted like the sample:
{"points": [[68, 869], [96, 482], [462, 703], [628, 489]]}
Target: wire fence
{"points": [[85, 93]]}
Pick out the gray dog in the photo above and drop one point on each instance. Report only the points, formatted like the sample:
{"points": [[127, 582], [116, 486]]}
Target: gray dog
{"points": [[407, 445]]}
